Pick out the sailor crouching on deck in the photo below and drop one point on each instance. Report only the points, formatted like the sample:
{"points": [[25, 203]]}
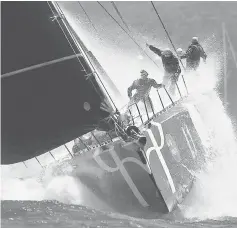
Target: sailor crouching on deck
{"points": [[171, 67], [143, 86]]}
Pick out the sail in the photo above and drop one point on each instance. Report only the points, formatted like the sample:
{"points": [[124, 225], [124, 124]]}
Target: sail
{"points": [[47, 100], [99, 69]]}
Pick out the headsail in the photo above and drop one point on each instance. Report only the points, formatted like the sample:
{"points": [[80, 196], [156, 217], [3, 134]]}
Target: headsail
{"points": [[45, 107]]}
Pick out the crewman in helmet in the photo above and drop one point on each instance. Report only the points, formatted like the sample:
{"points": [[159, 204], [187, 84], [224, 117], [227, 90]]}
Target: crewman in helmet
{"points": [[180, 52], [142, 86], [171, 66], [193, 55]]}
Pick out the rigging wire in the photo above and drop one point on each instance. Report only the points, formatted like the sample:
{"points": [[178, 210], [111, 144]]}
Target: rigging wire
{"points": [[170, 41], [88, 59], [121, 17], [97, 30], [74, 49], [88, 17], [110, 82], [111, 115], [117, 11], [117, 23], [166, 32], [114, 5], [126, 25], [75, 52], [67, 38], [78, 47], [93, 26], [128, 34]]}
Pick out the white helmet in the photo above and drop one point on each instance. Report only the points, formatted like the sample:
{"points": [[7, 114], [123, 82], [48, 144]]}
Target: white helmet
{"points": [[180, 52], [195, 39], [167, 49], [167, 52]]}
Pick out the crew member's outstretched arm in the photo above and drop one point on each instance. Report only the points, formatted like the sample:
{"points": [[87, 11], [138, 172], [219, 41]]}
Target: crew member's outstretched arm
{"points": [[155, 49], [131, 88], [155, 84]]}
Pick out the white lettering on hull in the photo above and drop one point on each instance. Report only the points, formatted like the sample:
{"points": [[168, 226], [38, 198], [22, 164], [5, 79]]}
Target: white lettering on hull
{"points": [[120, 166], [158, 152], [120, 163]]}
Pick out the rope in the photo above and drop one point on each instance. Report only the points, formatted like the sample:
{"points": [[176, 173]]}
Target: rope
{"points": [[115, 7], [110, 83], [126, 25], [92, 24], [166, 32], [117, 11], [67, 38], [88, 59], [127, 34], [73, 48], [88, 17], [78, 47]]}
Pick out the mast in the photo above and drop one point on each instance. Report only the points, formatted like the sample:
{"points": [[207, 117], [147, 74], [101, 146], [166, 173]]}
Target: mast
{"points": [[97, 66]]}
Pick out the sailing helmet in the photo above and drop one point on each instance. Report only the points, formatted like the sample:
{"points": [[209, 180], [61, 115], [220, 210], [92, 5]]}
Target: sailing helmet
{"points": [[180, 52], [167, 52], [144, 73], [194, 40]]}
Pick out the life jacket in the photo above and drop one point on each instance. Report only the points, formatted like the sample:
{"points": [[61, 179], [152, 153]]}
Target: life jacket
{"points": [[171, 64], [143, 87]]}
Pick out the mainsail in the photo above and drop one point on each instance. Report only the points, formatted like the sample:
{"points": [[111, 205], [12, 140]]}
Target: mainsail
{"points": [[43, 107]]}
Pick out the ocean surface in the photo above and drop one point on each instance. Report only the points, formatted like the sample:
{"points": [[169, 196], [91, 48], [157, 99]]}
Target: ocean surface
{"points": [[53, 197], [54, 214]]}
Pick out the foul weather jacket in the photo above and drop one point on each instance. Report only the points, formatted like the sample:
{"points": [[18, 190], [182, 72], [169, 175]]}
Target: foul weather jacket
{"points": [[193, 55], [171, 64], [143, 87]]}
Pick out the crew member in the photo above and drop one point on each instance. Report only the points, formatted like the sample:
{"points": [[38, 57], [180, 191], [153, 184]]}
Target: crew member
{"points": [[171, 66], [193, 55], [143, 86]]}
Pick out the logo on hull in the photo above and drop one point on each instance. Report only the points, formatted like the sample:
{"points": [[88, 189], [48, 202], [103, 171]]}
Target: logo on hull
{"points": [[120, 163]]}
